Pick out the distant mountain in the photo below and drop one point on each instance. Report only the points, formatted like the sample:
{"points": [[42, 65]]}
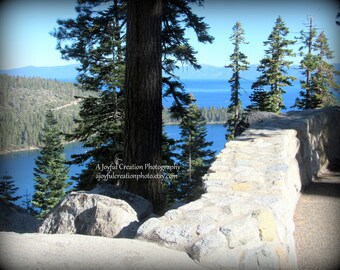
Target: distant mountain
{"points": [[66, 73], [69, 73], [208, 72]]}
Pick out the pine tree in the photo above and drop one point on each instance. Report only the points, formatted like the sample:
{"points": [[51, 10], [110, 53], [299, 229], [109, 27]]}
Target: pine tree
{"points": [[323, 78], [260, 100], [8, 189], [51, 172], [169, 157], [84, 38], [195, 158], [27, 204], [308, 65], [98, 43], [274, 69], [319, 74], [238, 63]]}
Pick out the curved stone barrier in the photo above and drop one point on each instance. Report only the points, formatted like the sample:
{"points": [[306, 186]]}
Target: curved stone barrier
{"points": [[245, 218]]}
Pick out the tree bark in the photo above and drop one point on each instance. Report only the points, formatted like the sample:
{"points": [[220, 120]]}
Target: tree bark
{"points": [[143, 99]]}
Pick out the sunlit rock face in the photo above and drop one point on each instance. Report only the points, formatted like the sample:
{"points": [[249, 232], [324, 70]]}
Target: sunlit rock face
{"points": [[245, 218], [91, 214]]}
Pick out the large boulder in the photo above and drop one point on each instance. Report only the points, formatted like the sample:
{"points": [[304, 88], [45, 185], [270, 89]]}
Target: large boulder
{"points": [[142, 206], [74, 252], [92, 214], [15, 219]]}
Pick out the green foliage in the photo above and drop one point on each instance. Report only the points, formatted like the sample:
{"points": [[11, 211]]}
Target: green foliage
{"points": [[323, 78], [195, 157], [8, 189], [177, 18], [260, 100], [96, 38], [23, 104], [27, 204], [274, 70], [238, 63], [51, 172], [169, 157], [319, 74], [100, 129]]}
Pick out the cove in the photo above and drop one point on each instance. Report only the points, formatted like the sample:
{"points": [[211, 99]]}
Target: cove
{"points": [[20, 164]]}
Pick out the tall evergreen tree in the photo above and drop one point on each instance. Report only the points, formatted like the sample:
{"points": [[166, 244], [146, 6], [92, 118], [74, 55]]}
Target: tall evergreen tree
{"points": [[195, 158], [97, 38], [78, 39], [51, 172], [308, 65], [8, 189], [238, 63], [274, 69], [323, 78]]}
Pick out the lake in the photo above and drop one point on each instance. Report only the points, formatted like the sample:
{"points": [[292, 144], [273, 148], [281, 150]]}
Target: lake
{"points": [[217, 93], [20, 164]]}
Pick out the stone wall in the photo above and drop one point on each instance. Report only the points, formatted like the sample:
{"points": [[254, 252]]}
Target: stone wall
{"points": [[245, 218]]}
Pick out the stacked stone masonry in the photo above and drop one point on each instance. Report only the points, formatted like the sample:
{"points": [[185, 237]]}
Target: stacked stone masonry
{"points": [[244, 220]]}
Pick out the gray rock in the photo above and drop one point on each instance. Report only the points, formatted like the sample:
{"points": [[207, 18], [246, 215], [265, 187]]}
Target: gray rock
{"points": [[142, 206], [241, 232], [148, 227], [252, 118], [208, 244], [73, 252], [15, 219], [176, 236], [92, 214], [259, 258]]}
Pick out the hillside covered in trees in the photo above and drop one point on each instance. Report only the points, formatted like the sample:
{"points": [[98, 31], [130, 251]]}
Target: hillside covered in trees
{"points": [[23, 105], [24, 102]]}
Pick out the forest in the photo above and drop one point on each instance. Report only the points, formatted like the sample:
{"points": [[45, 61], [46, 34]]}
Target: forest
{"points": [[24, 102], [128, 54]]}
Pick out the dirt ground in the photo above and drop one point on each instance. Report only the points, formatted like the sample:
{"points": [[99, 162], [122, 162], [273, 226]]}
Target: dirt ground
{"points": [[317, 222]]}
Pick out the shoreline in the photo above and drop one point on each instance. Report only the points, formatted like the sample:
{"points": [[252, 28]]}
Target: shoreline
{"points": [[32, 148], [28, 148]]}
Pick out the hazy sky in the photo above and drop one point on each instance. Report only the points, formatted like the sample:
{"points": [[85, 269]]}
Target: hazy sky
{"points": [[25, 27]]}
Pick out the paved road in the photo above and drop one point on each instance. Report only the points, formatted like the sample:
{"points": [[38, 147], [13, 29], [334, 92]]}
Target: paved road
{"points": [[317, 221]]}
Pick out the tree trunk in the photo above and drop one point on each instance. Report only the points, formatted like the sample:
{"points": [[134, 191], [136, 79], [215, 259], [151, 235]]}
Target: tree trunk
{"points": [[308, 104], [143, 99]]}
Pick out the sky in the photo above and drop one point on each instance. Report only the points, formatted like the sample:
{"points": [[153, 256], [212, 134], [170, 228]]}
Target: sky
{"points": [[25, 26]]}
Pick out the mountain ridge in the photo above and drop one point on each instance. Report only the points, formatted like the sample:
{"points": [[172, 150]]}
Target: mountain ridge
{"points": [[68, 73]]}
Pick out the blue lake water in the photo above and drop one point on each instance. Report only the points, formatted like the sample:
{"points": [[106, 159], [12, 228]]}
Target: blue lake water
{"points": [[20, 165], [217, 93]]}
